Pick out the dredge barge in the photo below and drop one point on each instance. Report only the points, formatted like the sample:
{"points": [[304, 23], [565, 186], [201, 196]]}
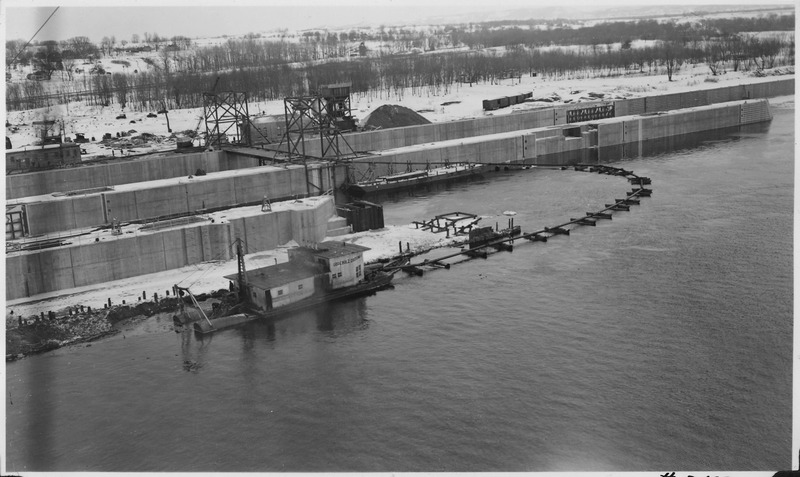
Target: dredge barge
{"points": [[415, 178], [313, 276]]}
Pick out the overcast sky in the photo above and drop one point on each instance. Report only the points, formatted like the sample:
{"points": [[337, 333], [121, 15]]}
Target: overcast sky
{"points": [[208, 18]]}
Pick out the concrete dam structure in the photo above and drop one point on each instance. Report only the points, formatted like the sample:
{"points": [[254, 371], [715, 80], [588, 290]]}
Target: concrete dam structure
{"points": [[103, 257], [557, 115], [595, 141], [63, 221]]}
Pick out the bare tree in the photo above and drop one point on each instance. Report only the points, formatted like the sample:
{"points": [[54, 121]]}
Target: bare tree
{"points": [[69, 66], [121, 88], [673, 56], [82, 46], [48, 58]]}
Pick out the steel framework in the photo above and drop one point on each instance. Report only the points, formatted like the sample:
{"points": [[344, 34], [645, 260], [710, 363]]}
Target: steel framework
{"points": [[325, 114], [225, 111], [307, 116]]}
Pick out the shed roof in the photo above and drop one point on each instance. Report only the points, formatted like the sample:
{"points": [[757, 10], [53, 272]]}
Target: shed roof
{"points": [[333, 249], [273, 276]]}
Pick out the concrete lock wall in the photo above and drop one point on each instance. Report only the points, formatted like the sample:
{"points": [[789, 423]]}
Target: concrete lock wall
{"points": [[566, 145], [754, 112], [125, 256], [703, 97], [55, 216], [389, 139], [187, 196], [490, 150], [436, 132], [676, 123], [114, 173], [640, 132]]}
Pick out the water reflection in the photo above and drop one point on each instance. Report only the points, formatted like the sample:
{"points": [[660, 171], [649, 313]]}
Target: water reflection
{"points": [[194, 352], [332, 321], [343, 318], [39, 419]]}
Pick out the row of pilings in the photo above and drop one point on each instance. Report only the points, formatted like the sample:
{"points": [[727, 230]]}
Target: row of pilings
{"points": [[506, 238]]}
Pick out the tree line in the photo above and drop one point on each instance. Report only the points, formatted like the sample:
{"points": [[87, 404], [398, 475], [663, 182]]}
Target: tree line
{"points": [[269, 70]]}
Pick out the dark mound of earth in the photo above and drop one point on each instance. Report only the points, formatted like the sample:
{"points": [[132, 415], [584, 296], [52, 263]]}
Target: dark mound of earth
{"points": [[393, 116]]}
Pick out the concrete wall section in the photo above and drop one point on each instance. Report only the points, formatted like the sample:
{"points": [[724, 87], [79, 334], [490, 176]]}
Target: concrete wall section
{"points": [[610, 132], [93, 263], [159, 202], [681, 122], [114, 173], [119, 205], [126, 256], [412, 135], [25, 277], [276, 183], [260, 232], [529, 146], [769, 89], [187, 196], [724, 95], [208, 194], [49, 217], [311, 225], [174, 248], [629, 107], [754, 112], [58, 265]]}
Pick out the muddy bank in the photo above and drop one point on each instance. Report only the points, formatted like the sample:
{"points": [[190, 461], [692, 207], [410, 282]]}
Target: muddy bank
{"points": [[36, 334]]}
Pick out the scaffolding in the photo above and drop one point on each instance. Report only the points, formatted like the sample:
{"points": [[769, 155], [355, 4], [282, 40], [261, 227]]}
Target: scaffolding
{"points": [[226, 114], [325, 114]]}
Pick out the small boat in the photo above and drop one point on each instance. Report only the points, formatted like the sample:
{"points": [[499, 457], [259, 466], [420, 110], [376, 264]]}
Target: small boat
{"points": [[313, 276], [413, 178]]}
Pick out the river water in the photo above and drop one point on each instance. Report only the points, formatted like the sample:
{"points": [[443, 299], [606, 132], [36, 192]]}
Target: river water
{"points": [[660, 340]]}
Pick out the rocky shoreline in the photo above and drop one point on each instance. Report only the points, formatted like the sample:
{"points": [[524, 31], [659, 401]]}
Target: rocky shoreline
{"points": [[39, 334]]}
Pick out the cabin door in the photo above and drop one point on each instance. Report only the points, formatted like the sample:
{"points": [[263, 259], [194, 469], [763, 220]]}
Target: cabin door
{"points": [[267, 300]]}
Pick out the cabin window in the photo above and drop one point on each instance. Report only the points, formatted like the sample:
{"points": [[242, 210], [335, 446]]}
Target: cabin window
{"points": [[300, 286], [358, 271], [254, 294], [280, 292], [339, 275]]}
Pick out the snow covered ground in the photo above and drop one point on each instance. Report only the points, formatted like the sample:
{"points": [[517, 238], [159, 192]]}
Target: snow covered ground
{"points": [[466, 102]]}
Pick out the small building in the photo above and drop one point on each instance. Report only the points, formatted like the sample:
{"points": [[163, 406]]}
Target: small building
{"points": [[47, 156], [279, 285], [270, 127], [325, 267], [342, 262]]}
